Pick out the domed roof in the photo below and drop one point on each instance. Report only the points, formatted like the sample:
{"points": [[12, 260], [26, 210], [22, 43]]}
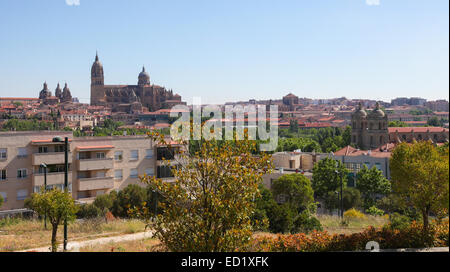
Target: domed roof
{"points": [[144, 77], [360, 112], [377, 112]]}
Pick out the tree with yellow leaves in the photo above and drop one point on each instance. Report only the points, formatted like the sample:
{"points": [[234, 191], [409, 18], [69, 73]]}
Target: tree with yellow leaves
{"points": [[208, 207], [420, 175]]}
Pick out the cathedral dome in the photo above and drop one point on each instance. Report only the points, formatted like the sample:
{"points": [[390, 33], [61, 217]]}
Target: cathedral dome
{"points": [[58, 91], [360, 112], [45, 93], [377, 112], [144, 77]]}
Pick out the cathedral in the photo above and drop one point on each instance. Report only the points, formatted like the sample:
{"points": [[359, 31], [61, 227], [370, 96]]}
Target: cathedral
{"points": [[61, 96], [130, 98], [369, 130]]}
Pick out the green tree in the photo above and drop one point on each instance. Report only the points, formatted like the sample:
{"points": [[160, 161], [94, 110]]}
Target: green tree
{"points": [[297, 192], [131, 196], [1, 200], [351, 198], [208, 207], [325, 179], [104, 203], [420, 175], [397, 124], [434, 122], [371, 182], [57, 205], [347, 136]]}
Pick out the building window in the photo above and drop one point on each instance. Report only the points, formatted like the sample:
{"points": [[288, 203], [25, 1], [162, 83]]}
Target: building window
{"points": [[4, 195], [3, 154], [134, 155], [22, 194], [43, 149], [59, 148], [134, 173], [149, 154], [164, 171], [101, 155], [118, 174], [118, 155], [150, 171], [21, 173], [22, 152], [3, 174]]}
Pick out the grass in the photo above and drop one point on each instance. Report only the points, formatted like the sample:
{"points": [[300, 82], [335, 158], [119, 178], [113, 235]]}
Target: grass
{"points": [[145, 245], [22, 234], [333, 225]]}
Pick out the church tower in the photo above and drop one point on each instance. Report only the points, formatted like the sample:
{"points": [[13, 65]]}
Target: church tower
{"points": [[97, 82]]}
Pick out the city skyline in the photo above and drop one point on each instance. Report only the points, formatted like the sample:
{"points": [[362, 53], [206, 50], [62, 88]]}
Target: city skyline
{"points": [[226, 52]]}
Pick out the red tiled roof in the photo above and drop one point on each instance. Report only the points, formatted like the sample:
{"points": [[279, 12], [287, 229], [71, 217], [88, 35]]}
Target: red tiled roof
{"points": [[417, 129], [96, 147]]}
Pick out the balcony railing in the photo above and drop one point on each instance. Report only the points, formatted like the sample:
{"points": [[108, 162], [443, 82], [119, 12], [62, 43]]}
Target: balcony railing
{"points": [[88, 184], [95, 164], [50, 158], [52, 178]]}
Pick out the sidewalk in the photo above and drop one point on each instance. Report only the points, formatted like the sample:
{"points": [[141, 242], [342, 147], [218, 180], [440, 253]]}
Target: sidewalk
{"points": [[75, 246]]}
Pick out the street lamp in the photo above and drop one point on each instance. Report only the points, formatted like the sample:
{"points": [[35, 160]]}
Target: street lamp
{"points": [[66, 177], [341, 214], [43, 165]]}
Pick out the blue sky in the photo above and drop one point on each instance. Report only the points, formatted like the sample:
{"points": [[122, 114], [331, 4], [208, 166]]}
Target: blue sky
{"points": [[230, 50]]}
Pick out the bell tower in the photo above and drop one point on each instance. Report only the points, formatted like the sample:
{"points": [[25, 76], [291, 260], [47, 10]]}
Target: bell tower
{"points": [[97, 82]]}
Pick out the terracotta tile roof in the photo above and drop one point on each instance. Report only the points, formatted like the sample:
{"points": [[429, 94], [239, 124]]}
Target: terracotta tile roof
{"points": [[417, 129], [96, 147]]}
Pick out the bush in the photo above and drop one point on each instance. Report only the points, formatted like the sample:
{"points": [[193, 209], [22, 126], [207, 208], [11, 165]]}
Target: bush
{"points": [[351, 198], [132, 196], [375, 211], [88, 211], [354, 214], [398, 221], [410, 237], [306, 223]]}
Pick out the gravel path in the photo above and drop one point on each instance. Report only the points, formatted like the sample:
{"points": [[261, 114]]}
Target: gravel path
{"points": [[75, 246]]}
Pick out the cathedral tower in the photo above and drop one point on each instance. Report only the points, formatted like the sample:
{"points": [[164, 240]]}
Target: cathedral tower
{"points": [[97, 82], [369, 131]]}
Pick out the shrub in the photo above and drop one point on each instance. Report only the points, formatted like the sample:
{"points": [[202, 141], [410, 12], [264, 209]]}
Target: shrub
{"points": [[410, 237], [306, 223], [132, 196], [354, 214], [399, 221], [88, 211], [375, 211]]}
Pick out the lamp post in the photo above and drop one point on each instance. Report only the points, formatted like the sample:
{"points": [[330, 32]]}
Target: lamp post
{"points": [[43, 165], [66, 182], [341, 200]]}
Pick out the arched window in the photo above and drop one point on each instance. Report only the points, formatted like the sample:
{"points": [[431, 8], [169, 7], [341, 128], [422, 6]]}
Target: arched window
{"points": [[371, 140], [381, 139], [404, 137]]}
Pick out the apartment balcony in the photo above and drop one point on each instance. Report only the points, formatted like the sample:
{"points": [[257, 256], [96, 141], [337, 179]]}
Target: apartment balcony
{"points": [[95, 164], [50, 158], [88, 184], [52, 178]]}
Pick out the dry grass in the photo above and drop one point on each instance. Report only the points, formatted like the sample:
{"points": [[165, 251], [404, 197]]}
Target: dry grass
{"points": [[21, 234], [145, 245], [333, 225]]}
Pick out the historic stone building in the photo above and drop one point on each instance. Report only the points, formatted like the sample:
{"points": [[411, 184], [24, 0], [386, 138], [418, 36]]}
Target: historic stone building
{"points": [[369, 130], [61, 96], [129, 98]]}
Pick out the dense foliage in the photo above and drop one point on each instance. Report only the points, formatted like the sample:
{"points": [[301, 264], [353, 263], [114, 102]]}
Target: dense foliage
{"points": [[420, 176]]}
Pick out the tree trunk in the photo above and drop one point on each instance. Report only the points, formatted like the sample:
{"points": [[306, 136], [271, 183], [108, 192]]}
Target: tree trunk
{"points": [[425, 219], [54, 243]]}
